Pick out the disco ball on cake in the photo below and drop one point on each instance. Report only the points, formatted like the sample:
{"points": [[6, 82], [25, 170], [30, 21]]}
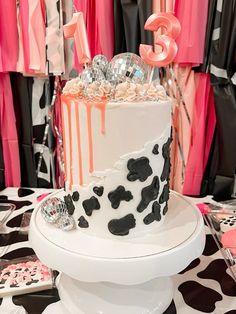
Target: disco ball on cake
{"points": [[100, 62], [90, 75], [127, 67]]}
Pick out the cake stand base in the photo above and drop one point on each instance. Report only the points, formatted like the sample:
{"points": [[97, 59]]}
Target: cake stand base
{"points": [[105, 276], [78, 297]]}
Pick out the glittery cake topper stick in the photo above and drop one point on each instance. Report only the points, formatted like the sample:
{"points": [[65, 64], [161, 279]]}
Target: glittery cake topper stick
{"points": [[76, 28]]}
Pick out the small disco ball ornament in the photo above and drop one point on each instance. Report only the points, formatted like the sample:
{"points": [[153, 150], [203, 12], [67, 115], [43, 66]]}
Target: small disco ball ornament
{"points": [[52, 209], [91, 75], [100, 62], [66, 223], [127, 67]]}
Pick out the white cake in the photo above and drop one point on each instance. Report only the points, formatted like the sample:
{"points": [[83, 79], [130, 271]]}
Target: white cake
{"points": [[124, 190]]}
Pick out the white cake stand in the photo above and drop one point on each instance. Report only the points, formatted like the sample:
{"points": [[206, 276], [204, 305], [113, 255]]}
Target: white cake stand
{"points": [[101, 276]]}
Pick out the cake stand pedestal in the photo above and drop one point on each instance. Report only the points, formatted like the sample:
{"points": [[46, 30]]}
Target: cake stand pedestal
{"points": [[104, 276]]}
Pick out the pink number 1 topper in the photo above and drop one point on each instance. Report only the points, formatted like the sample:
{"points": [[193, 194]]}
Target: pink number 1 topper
{"points": [[76, 28]]}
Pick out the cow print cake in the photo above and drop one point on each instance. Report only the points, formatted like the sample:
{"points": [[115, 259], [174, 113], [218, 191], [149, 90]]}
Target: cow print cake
{"points": [[130, 197], [117, 160]]}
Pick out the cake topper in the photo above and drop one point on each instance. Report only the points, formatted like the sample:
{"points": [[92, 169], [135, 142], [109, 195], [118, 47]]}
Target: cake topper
{"points": [[166, 40], [76, 28]]}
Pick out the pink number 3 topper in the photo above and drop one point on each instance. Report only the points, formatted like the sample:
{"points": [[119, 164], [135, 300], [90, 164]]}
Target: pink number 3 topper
{"points": [[76, 28], [172, 29]]}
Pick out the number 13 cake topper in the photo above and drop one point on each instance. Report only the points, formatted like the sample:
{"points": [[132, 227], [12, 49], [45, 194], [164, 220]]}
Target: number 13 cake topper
{"points": [[171, 26]]}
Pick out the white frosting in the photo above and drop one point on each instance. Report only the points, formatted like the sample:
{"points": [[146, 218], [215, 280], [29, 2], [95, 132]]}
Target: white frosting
{"points": [[126, 91], [132, 129], [110, 180], [128, 127]]}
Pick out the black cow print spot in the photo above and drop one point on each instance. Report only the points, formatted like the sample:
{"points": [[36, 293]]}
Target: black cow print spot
{"points": [[154, 215], [216, 270], [207, 296], [83, 223], [166, 170], [69, 204], [16, 221], [90, 205], [155, 150], [210, 246], [165, 194], [32, 302], [3, 197], [166, 154], [121, 227], [192, 265], [139, 169], [231, 312], [98, 190], [166, 148], [149, 193], [165, 210], [75, 196], [24, 192], [22, 252], [171, 309], [118, 195], [18, 204], [12, 237]]}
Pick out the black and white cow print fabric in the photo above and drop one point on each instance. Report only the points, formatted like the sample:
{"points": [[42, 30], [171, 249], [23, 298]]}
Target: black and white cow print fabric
{"points": [[205, 286]]}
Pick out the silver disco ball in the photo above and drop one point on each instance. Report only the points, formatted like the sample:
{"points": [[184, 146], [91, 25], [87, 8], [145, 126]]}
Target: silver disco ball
{"points": [[91, 75], [52, 209], [127, 67], [100, 62]]}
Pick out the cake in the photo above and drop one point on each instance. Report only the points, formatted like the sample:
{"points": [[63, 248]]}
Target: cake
{"points": [[116, 141]]}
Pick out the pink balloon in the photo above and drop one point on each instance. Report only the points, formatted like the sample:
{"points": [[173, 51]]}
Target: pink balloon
{"points": [[76, 28], [171, 26]]}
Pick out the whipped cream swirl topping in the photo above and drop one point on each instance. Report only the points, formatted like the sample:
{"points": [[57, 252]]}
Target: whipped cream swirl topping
{"points": [[126, 91]]}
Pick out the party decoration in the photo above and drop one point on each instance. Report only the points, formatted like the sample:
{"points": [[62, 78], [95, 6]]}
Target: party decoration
{"points": [[167, 40], [90, 75], [54, 211], [127, 67], [76, 28], [100, 62], [66, 223]]}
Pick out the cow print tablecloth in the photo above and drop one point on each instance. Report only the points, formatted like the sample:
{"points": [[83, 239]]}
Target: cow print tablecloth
{"points": [[205, 286]]}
